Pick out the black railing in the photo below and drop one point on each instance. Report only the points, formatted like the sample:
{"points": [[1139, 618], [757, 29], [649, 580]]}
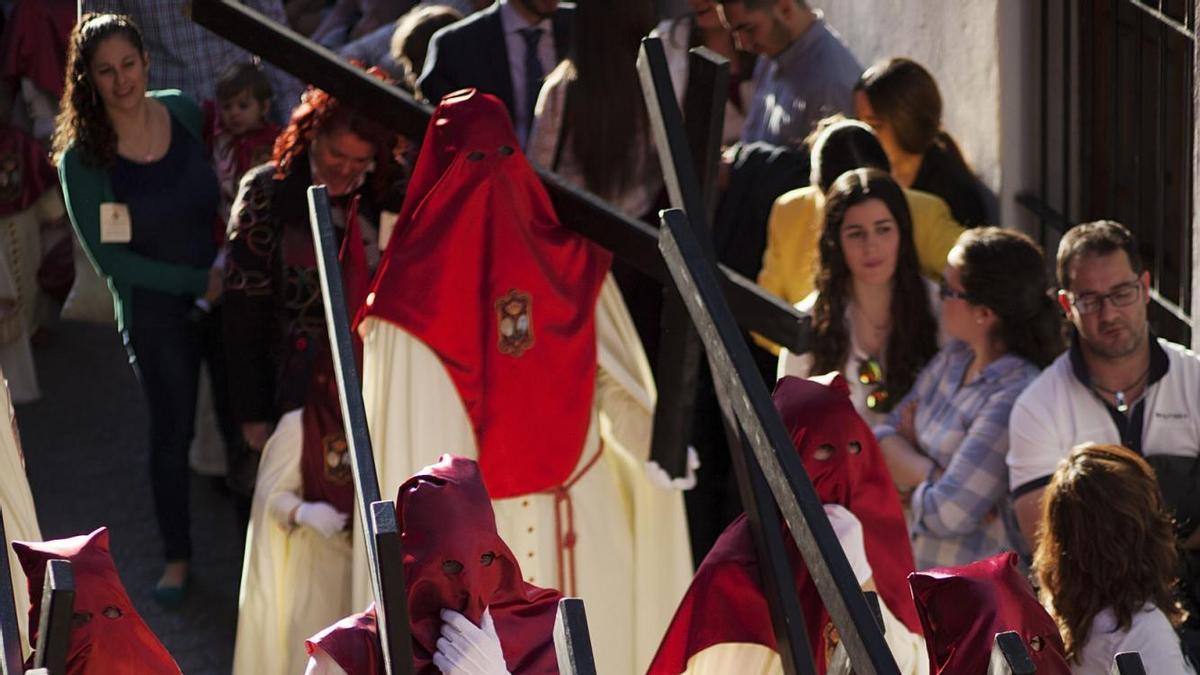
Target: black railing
{"points": [[1116, 139]]}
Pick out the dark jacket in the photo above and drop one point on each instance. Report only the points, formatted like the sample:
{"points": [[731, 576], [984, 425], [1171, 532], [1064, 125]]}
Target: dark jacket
{"points": [[473, 53], [274, 317]]}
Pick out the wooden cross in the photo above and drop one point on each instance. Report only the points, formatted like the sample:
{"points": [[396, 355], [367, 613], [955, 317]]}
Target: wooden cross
{"points": [[376, 516], [741, 391], [54, 623], [572, 640], [1128, 663], [689, 167]]}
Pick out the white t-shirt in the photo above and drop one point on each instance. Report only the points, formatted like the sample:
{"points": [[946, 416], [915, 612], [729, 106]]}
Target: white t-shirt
{"points": [[1150, 634], [1058, 412], [800, 365]]}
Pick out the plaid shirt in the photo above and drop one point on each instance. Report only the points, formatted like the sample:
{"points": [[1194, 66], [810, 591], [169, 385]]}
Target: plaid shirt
{"points": [[185, 56], [962, 515]]}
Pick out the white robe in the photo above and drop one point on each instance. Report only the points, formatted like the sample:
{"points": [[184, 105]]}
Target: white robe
{"points": [[294, 581], [16, 503], [632, 555]]}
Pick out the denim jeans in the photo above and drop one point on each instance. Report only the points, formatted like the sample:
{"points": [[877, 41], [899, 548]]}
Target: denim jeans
{"points": [[166, 341]]}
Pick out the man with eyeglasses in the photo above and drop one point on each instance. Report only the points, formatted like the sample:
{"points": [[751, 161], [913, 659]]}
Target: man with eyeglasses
{"points": [[1117, 383]]}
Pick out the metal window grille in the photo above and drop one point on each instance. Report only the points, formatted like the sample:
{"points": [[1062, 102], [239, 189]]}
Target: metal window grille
{"points": [[1116, 135]]}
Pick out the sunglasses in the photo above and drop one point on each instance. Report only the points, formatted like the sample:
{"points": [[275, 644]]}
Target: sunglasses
{"points": [[870, 373]]}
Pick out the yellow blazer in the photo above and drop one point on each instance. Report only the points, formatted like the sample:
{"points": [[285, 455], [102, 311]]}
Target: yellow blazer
{"points": [[791, 258]]}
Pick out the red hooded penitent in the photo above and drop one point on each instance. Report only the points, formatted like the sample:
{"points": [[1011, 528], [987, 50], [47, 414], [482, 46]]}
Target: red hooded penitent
{"points": [[480, 270], [962, 609], [726, 603], [107, 636], [454, 559]]}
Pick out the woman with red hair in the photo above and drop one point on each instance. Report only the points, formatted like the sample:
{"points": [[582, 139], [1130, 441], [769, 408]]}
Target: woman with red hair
{"points": [[274, 316]]}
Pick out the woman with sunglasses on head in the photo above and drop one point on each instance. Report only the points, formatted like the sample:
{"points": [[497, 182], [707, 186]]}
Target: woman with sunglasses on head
{"points": [[947, 440], [868, 275]]}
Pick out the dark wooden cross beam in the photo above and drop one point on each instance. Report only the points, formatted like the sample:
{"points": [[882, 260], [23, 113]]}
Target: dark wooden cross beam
{"points": [[1128, 663], [839, 663], [740, 387], [377, 517], [629, 239], [572, 640], [1009, 656], [11, 662], [54, 624], [689, 165]]}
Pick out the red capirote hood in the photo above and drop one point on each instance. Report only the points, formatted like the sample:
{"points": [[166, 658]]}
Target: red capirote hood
{"points": [[962, 609], [726, 603], [480, 270], [453, 559], [108, 636]]}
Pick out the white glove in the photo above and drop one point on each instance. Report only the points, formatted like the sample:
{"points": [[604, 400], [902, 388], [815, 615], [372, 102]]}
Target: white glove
{"points": [[850, 535], [467, 649], [321, 517], [660, 478]]}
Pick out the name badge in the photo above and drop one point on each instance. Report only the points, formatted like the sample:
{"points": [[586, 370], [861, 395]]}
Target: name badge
{"points": [[115, 225], [387, 225]]}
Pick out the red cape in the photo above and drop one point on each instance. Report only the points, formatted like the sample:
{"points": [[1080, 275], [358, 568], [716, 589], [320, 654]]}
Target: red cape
{"points": [[726, 602], [108, 636], [446, 515], [25, 171], [962, 609], [481, 271]]}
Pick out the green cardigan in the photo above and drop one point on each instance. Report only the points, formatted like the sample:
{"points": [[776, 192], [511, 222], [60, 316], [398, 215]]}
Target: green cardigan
{"points": [[85, 188]]}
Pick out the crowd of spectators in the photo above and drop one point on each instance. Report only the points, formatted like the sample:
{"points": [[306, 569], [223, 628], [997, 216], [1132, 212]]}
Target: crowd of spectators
{"points": [[183, 163]]}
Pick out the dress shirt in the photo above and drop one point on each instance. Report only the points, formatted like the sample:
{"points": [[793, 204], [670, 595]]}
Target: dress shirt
{"points": [[962, 515], [811, 79], [514, 42], [186, 56]]}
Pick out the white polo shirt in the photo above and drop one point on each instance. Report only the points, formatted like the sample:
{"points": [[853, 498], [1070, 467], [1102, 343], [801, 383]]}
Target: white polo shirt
{"points": [[1059, 411]]}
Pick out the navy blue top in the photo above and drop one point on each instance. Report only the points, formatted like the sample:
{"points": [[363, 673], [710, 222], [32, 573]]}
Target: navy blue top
{"points": [[172, 204]]}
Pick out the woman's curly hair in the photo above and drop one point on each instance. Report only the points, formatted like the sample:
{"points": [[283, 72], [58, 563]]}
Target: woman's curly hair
{"points": [[82, 120], [320, 114], [1106, 541]]}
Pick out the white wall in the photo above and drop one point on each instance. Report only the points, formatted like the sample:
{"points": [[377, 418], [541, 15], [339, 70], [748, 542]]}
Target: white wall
{"points": [[974, 50]]}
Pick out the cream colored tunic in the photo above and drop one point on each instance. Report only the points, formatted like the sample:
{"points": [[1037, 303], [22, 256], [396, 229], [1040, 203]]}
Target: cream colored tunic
{"points": [[16, 503], [294, 581], [20, 257], [754, 659], [632, 558]]}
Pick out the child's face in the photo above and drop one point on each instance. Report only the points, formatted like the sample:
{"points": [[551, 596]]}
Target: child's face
{"points": [[242, 113]]}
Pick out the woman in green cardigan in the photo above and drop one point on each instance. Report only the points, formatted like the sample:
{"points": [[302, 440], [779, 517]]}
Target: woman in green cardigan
{"points": [[143, 198]]}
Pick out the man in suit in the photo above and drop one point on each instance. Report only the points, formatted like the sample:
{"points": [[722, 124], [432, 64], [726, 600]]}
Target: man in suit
{"points": [[505, 50]]}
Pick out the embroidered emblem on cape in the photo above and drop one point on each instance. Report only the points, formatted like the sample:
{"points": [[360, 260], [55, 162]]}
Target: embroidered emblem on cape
{"points": [[337, 458], [10, 178], [514, 314]]}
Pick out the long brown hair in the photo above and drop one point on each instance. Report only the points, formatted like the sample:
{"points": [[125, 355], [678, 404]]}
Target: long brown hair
{"points": [[1106, 541], [605, 111], [913, 338], [82, 119], [905, 95], [321, 114]]}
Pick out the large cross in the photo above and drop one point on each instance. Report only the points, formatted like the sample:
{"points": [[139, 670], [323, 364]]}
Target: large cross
{"points": [[377, 517], [770, 467]]}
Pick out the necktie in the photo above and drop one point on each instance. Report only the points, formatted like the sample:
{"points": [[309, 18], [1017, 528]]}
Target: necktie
{"points": [[533, 72]]}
